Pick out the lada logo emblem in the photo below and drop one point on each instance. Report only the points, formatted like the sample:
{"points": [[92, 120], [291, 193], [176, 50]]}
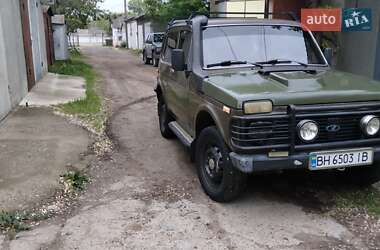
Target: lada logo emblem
{"points": [[333, 128]]}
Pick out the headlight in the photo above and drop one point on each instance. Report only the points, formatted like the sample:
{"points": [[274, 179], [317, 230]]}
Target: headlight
{"points": [[370, 125], [258, 107], [307, 130]]}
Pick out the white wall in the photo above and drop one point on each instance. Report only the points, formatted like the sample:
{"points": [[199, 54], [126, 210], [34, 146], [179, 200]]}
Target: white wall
{"points": [[117, 34], [132, 35], [140, 36], [61, 47], [240, 6], [13, 80]]}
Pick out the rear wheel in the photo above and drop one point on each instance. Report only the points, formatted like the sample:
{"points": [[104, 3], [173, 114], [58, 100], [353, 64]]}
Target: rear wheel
{"points": [[363, 176], [156, 61], [219, 179], [164, 119], [145, 58]]}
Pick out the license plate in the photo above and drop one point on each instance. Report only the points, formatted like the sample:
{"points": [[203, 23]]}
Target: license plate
{"points": [[341, 158]]}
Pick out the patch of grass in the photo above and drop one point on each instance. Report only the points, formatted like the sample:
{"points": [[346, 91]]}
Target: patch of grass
{"points": [[137, 52], [89, 108], [368, 198], [12, 221], [76, 67], [74, 181]]}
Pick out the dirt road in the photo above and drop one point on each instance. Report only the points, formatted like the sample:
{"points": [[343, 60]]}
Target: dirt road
{"points": [[147, 194]]}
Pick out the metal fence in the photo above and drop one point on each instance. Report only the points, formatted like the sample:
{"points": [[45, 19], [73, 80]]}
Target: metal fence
{"points": [[83, 39]]}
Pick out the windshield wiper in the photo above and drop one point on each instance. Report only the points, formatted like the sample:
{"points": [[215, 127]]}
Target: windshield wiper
{"points": [[227, 63], [279, 61]]}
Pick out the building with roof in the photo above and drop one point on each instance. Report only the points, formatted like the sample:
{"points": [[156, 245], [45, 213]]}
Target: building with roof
{"points": [[24, 49], [119, 32], [138, 29]]}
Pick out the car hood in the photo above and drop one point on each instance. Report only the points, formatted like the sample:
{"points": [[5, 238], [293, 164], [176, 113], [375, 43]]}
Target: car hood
{"points": [[284, 88]]}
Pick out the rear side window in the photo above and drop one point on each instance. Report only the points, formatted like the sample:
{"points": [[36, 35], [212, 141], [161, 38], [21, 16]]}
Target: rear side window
{"points": [[171, 43]]}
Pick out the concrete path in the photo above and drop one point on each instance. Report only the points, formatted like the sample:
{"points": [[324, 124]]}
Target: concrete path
{"points": [[147, 196], [56, 89], [35, 148]]}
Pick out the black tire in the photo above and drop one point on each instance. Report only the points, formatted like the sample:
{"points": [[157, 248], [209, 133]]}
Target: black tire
{"points": [[156, 61], [363, 176], [219, 179], [164, 119], [145, 58]]}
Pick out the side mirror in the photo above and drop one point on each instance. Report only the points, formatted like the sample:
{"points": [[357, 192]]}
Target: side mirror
{"points": [[178, 60], [328, 52]]}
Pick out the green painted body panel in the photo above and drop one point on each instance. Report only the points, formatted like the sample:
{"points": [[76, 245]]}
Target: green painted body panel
{"points": [[284, 88]]}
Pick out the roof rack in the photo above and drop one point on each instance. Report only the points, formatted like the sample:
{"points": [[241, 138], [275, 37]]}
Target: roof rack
{"points": [[176, 20], [290, 14], [187, 20]]}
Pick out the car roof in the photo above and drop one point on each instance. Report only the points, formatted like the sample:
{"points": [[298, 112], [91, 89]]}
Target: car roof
{"points": [[250, 21]]}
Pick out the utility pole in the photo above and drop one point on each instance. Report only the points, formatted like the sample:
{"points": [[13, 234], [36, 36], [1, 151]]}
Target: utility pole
{"points": [[125, 22], [266, 11]]}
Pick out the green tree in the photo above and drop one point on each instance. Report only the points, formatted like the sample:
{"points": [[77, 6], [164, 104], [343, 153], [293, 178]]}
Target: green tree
{"points": [[78, 13], [165, 11], [182, 8], [137, 7]]}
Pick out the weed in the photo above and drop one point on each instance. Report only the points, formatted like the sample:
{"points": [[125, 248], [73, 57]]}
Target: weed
{"points": [[12, 221], [136, 51], [368, 198], [74, 181]]}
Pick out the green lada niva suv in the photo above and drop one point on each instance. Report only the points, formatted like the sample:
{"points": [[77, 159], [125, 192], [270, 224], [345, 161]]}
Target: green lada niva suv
{"points": [[257, 95]]}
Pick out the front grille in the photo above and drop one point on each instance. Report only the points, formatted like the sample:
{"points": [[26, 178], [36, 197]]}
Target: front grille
{"points": [[278, 131], [349, 129], [260, 132]]}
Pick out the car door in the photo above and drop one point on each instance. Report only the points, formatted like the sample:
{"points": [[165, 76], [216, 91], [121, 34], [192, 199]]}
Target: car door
{"points": [[182, 80], [167, 74]]}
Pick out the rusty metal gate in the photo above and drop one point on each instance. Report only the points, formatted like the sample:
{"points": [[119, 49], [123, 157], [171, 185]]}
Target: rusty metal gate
{"points": [[27, 43], [49, 36]]}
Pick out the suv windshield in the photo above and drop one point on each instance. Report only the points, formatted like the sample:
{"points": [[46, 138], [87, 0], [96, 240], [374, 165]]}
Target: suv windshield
{"points": [[158, 38], [259, 44]]}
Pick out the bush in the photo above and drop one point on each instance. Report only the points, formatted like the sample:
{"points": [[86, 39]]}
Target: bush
{"points": [[123, 45]]}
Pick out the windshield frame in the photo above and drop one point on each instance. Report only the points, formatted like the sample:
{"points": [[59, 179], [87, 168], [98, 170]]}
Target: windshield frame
{"points": [[315, 43]]}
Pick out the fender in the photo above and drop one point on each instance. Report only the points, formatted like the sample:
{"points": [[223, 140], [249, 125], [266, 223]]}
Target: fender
{"points": [[216, 114]]}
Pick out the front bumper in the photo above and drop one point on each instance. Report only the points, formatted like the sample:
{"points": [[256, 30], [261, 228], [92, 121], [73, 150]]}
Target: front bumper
{"points": [[263, 163]]}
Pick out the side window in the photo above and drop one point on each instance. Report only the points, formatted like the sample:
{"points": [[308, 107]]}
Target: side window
{"points": [[185, 43], [171, 43]]}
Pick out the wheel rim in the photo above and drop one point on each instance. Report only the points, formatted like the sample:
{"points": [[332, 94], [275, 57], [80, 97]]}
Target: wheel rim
{"points": [[213, 165]]}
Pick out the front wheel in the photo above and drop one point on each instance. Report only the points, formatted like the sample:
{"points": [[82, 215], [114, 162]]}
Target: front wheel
{"points": [[164, 119], [219, 179]]}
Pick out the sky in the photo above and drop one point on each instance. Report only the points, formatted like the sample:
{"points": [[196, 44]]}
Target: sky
{"points": [[113, 5]]}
